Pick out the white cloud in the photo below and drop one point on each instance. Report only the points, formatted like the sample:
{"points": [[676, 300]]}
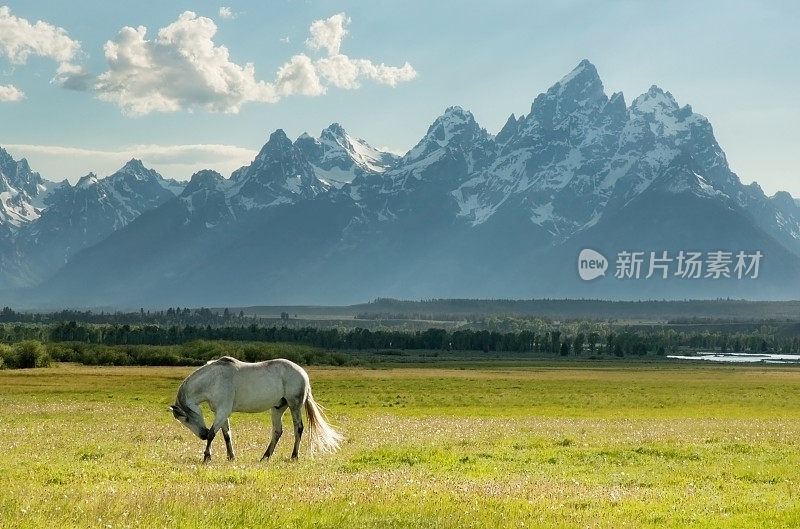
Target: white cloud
{"points": [[19, 39], [10, 93], [328, 33], [226, 12], [342, 71], [298, 76], [183, 68], [390, 75], [172, 161]]}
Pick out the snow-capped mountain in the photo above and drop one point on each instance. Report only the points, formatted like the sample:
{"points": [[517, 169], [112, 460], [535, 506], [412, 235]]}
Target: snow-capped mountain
{"points": [[49, 222], [462, 214], [280, 175], [579, 153], [338, 158], [21, 191]]}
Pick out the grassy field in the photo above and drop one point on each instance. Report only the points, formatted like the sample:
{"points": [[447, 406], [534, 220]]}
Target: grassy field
{"points": [[543, 445]]}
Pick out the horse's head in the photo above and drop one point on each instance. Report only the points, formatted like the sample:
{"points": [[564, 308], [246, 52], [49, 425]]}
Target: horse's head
{"points": [[192, 421]]}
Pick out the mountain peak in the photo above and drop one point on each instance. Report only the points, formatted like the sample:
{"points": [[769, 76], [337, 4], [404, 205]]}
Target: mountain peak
{"points": [[456, 110], [206, 175], [87, 181], [453, 119], [134, 171], [581, 85], [133, 165], [19, 175], [278, 141], [584, 73], [338, 158], [580, 91], [279, 135], [335, 130], [279, 171], [205, 179], [455, 131], [5, 158], [508, 130], [278, 145], [654, 99]]}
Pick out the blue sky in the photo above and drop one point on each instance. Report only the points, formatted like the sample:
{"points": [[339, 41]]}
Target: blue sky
{"points": [[734, 62]]}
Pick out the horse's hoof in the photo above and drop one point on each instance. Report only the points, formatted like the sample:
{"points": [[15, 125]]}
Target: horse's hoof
{"points": [[206, 459], [231, 458]]}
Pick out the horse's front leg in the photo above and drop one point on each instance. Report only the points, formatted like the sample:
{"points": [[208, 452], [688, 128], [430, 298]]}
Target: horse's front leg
{"points": [[207, 452], [221, 416]]}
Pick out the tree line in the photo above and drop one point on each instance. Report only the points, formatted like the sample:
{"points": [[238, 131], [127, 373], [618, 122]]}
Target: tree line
{"points": [[608, 341], [169, 316]]}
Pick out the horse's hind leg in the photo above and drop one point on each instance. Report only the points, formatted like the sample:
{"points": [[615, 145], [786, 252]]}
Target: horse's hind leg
{"points": [[226, 433], [277, 429], [297, 420]]}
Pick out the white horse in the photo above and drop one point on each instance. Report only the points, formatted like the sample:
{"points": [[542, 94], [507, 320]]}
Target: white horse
{"points": [[228, 385]]}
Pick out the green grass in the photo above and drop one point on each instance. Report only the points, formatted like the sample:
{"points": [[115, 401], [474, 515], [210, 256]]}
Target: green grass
{"points": [[545, 445]]}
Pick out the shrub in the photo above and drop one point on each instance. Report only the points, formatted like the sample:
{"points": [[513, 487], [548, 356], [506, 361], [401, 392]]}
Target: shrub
{"points": [[35, 354], [64, 352], [253, 353], [338, 359], [30, 353], [110, 357], [202, 350], [5, 355]]}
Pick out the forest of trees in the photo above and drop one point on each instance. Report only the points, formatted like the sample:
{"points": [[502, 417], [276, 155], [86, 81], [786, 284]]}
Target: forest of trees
{"points": [[170, 316], [556, 341]]}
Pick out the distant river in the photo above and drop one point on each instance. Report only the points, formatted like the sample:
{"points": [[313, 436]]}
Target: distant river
{"points": [[741, 358]]}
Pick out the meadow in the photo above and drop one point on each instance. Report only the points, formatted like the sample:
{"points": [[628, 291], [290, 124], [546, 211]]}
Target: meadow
{"points": [[543, 444]]}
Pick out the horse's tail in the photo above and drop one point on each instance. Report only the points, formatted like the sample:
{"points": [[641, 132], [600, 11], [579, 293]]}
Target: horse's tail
{"points": [[323, 437]]}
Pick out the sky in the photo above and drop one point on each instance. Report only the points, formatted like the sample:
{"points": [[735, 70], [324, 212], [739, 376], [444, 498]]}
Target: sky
{"points": [[86, 85]]}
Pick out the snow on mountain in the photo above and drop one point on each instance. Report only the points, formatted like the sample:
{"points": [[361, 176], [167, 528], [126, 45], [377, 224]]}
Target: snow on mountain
{"points": [[338, 158], [454, 148], [454, 131], [76, 217], [579, 154], [22, 192], [25, 195], [280, 174], [550, 161], [206, 199], [462, 213], [132, 190]]}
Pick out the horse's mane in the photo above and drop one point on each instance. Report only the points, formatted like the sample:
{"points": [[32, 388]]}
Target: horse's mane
{"points": [[182, 399], [184, 404]]}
